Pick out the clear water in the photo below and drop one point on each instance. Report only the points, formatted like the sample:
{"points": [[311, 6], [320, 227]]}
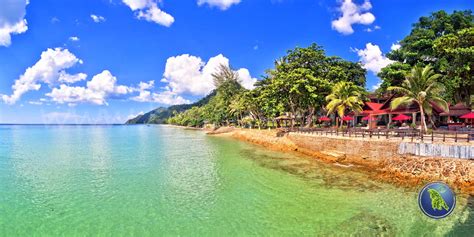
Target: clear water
{"points": [[158, 180]]}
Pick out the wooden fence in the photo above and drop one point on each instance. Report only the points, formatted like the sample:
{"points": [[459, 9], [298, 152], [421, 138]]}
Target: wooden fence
{"points": [[403, 134]]}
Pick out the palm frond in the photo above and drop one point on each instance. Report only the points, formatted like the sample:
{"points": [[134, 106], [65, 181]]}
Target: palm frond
{"points": [[440, 103], [397, 102]]}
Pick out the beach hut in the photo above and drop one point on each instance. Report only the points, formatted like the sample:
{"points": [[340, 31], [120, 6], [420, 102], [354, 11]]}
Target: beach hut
{"points": [[283, 120]]}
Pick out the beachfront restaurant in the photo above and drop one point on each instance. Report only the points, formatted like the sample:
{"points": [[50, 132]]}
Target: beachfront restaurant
{"points": [[380, 115]]}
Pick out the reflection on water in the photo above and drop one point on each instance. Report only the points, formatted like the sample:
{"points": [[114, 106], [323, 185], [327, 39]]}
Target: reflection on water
{"points": [[158, 180]]}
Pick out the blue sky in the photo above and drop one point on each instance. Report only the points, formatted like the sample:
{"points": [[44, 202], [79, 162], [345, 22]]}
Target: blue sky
{"points": [[97, 61]]}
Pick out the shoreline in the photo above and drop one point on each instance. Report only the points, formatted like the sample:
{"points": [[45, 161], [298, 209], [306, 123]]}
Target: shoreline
{"points": [[378, 159]]}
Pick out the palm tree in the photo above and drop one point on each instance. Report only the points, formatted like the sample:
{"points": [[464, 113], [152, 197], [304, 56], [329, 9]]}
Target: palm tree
{"points": [[420, 87], [345, 96], [237, 108]]}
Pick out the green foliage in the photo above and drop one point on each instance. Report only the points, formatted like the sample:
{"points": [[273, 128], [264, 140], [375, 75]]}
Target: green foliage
{"points": [[444, 41], [298, 84], [432, 66], [393, 75], [345, 96], [222, 108], [161, 115], [456, 51], [421, 87]]}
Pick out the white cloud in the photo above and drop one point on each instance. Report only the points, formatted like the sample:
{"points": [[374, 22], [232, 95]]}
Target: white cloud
{"points": [[245, 79], [373, 29], [353, 14], [74, 38], [372, 58], [148, 10], [165, 97], [376, 86], [97, 90], [395, 46], [48, 70], [55, 20], [97, 18], [168, 98], [35, 102], [189, 74], [12, 22], [221, 4], [68, 78]]}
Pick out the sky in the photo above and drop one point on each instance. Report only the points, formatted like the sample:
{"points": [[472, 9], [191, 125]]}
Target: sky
{"points": [[104, 61]]}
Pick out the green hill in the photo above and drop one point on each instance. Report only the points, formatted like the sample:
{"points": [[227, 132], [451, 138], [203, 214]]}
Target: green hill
{"points": [[161, 114]]}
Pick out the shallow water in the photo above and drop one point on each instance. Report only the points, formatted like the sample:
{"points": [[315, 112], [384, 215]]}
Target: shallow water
{"points": [[159, 180]]}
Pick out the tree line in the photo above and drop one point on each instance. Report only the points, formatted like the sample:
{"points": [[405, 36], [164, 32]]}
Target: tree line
{"points": [[432, 66]]}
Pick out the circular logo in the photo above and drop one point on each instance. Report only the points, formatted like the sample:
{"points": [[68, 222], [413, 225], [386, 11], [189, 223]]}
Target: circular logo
{"points": [[436, 200]]}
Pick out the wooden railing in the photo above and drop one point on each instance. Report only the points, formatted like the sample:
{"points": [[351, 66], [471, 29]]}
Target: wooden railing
{"points": [[403, 134]]}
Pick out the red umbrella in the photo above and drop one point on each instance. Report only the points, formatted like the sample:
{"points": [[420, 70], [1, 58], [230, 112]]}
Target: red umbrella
{"points": [[468, 116], [401, 117], [347, 118], [324, 118]]}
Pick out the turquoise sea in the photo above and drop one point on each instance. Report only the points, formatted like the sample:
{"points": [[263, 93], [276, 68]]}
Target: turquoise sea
{"points": [[166, 181]]}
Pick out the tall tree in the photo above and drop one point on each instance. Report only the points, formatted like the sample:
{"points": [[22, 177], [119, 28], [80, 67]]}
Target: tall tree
{"points": [[419, 48], [456, 53], [303, 77], [421, 87]]}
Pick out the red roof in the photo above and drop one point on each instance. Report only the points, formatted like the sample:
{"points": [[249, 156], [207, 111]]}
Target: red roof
{"points": [[374, 106], [371, 107]]}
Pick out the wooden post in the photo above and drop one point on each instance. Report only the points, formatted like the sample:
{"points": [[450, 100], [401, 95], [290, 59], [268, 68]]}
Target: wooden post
{"points": [[444, 136], [389, 120], [455, 136], [432, 136]]}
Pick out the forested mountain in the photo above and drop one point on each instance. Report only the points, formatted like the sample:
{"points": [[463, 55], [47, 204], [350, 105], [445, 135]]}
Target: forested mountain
{"points": [[161, 114]]}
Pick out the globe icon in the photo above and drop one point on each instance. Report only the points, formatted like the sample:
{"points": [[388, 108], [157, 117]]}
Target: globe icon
{"points": [[436, 200]]}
